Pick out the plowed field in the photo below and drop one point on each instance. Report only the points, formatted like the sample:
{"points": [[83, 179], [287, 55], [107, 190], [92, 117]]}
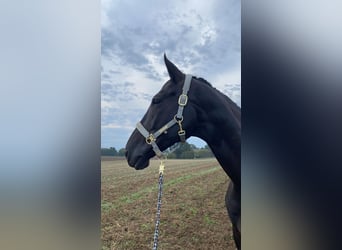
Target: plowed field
{"points": [[193, 213]]}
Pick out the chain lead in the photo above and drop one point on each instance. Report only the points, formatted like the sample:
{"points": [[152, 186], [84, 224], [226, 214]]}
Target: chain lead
{"points": [[160, 193]]}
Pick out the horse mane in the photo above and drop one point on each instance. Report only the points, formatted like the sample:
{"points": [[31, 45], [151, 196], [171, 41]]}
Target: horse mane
{"points": [[209, 84], [203, 80]]}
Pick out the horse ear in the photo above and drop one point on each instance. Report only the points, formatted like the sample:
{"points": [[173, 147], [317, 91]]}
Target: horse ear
{"points": [[175, 74]]}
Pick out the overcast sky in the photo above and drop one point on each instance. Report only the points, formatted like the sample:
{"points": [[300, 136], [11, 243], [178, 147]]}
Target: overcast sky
{"points": [[202, 38]]}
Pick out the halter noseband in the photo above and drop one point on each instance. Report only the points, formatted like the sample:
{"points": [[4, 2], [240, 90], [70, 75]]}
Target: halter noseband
{"points": [[151, 138]]}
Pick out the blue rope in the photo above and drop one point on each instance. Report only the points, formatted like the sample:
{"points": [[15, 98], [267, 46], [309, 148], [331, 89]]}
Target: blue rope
{"points": [[160, 193]]}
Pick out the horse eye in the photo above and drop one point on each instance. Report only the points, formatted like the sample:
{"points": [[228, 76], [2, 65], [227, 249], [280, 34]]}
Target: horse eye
{"points": [[156, 100]]}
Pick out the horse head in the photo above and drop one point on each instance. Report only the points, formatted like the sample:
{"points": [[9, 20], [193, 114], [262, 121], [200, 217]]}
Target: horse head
{"points": [[163, 123]]}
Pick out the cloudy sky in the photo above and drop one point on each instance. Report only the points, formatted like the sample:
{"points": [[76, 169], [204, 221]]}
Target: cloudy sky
{"points": [[202, 38]]}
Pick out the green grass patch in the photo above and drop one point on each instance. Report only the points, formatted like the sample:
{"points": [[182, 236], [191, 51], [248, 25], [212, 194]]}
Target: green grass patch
{"points": [[106, 206], [193, 210], [208, 220]]}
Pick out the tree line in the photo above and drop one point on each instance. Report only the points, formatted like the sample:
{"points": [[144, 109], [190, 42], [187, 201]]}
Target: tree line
{"points": [[181, 151], [112, 152]]}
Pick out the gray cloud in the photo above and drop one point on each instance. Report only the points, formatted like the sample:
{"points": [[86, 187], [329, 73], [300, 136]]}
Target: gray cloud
{"points": [[178, 31], [200, 37]]}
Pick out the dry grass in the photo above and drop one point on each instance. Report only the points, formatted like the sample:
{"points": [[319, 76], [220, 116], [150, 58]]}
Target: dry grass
{"points": [[193, 214]]}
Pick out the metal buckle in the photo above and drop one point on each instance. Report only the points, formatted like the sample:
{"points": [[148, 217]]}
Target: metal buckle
{"points": [[149, 139], [182, 100]]}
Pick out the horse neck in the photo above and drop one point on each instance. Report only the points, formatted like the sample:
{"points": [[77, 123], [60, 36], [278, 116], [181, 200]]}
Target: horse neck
{"points": [[218, 123]]}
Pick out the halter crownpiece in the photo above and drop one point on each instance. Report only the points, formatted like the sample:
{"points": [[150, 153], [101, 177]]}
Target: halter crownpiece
{"points": [[151, 138]]}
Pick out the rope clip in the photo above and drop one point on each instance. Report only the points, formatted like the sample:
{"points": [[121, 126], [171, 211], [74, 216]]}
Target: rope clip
{"points": [[161, 167]]}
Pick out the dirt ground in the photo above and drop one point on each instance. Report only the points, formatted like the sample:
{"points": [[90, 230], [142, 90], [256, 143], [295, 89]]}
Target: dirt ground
{"points": [[193, 213]]}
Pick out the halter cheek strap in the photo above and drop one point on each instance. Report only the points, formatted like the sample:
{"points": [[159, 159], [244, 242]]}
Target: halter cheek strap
{"points": [[151, 138]]}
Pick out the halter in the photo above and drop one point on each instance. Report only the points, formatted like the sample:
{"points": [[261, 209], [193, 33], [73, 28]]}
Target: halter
{"points": [[151, 138]]}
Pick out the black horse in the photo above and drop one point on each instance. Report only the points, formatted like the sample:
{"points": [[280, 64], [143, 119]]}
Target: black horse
{"points": [[189, 106]]}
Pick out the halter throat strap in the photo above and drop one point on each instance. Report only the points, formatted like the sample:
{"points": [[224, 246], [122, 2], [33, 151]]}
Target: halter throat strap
{"points": [[151, 138]]}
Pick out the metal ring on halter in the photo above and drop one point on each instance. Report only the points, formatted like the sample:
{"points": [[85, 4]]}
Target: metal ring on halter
{"points": [[178, 119], [150, 139]]}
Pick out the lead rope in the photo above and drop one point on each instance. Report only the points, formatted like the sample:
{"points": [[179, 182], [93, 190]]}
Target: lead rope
{"points": [[160, 193]]}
